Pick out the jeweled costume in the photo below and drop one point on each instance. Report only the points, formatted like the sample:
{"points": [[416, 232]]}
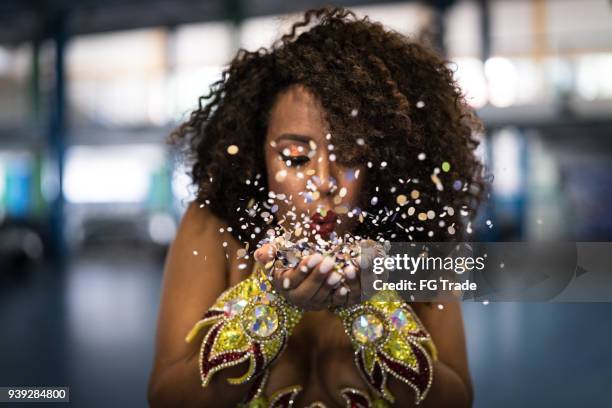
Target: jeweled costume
{"points": [[250, 321]]}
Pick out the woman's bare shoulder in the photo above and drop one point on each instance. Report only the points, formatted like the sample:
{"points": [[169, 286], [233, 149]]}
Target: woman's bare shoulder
{"points": [[199, 220]]}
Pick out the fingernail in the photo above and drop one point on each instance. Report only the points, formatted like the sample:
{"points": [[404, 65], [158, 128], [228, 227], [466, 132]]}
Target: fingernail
{"points": [[314, 260], [349, 271], [286, 283], [334, 278], [326, 265], [343, 291]]}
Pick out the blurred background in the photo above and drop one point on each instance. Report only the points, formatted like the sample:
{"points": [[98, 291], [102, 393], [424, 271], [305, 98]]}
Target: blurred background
{"points": [[91, 196]]}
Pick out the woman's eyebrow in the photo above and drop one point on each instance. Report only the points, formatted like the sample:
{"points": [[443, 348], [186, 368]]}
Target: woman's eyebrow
{"points": [[294, 136]]}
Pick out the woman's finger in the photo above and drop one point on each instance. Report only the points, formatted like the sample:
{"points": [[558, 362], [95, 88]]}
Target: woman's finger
{"points": [[326, 278], [340, 296], [265, 254], [353, 284], [308, 290], [303, 270]]}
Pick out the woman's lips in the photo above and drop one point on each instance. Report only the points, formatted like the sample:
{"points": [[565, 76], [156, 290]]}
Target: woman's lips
{"points": [[325, 225]]}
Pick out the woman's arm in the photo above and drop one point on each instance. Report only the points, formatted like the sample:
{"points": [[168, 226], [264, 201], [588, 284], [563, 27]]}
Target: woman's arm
{"points": [[451, 385], [192, 282]]}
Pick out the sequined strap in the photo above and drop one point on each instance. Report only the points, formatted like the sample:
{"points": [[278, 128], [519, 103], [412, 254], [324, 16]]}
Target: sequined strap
{"points": [[248, 322], [388, 338]]}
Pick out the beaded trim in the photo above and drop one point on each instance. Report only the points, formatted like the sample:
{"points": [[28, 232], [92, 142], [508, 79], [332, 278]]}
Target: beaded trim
{"points": [[388, 338], [249, 321]]}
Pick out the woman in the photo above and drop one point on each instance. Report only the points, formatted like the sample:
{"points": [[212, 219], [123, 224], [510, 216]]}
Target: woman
{"points": [[341, 131]]}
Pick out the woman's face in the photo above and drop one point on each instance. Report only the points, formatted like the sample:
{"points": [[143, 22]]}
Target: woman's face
{"points": [[301, 164]]}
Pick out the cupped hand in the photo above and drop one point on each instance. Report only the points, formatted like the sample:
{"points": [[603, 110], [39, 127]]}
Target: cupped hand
{"points": [[314, 283]]}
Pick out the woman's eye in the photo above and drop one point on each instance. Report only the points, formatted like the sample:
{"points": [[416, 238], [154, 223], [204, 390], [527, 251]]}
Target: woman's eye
{"points": [[294, 161]]}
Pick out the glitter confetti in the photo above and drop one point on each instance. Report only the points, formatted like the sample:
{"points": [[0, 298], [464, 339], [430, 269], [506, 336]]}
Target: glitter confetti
{"points": [[280, 176], [232, 149], [420, 104], [446, 167], [421, 156], [401, 199]]}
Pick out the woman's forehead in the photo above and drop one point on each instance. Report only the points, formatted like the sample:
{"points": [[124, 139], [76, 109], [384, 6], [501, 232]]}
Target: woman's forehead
{"points": [[297, 111]]}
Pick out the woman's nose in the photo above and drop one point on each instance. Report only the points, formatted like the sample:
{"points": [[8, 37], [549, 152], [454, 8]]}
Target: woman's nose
{"points": [[327, 177]]}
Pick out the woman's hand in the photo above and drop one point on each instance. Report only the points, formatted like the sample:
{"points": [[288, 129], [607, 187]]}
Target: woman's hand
{"points": [[314, 283]]}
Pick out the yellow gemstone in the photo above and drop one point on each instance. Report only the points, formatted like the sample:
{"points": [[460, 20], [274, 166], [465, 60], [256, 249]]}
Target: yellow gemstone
{"points": [[230, 339], [369, 357], [399, 349]]}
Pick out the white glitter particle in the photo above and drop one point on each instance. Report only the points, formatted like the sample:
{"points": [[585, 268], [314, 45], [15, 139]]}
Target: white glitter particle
{"points": [[354, 112], [232, 149], [441, 307], [421, 156], [374, 200], [360, 141], [420, 104], [195, 253], [280, 176]]}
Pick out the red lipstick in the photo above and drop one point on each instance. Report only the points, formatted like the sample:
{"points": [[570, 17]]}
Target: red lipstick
{"points": [[325, 225]]}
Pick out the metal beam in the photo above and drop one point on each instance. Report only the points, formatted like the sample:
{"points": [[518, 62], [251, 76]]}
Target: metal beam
{"points": [[57, 136]]}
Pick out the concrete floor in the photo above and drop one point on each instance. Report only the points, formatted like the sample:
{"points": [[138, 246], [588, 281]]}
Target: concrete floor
{"points": [[92, 329]]}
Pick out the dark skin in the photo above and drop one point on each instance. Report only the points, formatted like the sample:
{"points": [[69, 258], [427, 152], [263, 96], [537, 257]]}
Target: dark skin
{"points": [[319, 360]]}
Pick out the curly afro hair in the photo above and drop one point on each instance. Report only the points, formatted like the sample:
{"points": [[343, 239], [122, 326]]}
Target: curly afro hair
{"points": [[410, 114]]}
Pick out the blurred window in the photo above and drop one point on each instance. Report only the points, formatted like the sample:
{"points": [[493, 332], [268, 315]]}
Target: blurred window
{"points": [[118, 79], [15, 68], [594, 76], [111, 174]]}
